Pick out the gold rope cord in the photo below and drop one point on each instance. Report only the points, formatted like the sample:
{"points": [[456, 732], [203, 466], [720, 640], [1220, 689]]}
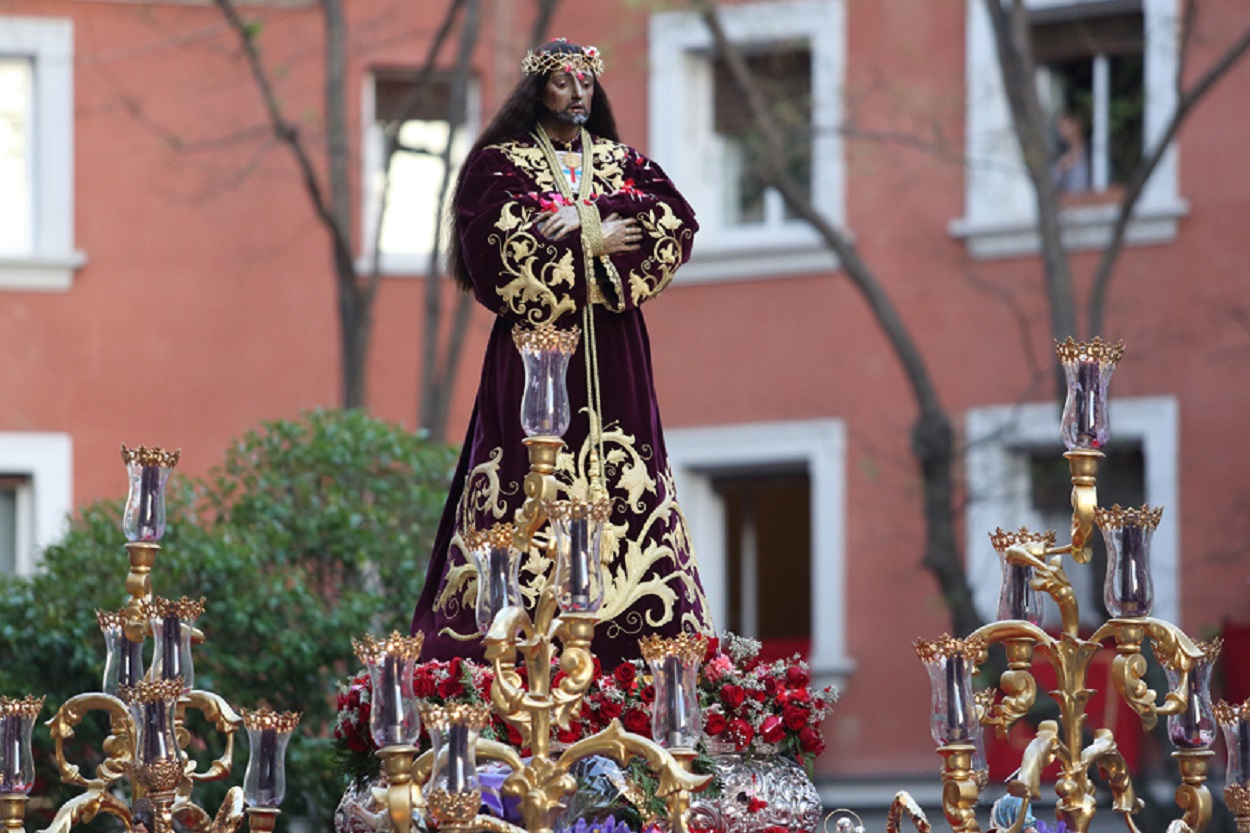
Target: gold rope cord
{"points": [[595, 405]]}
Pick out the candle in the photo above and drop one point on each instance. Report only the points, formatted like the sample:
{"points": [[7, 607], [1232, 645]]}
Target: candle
{"points": [[457, 757], [390, 700], [579, 569], [956, 706], [1087, 403], [11, 780], [1243, 751], [149, 494], [130, 656], [678, 714], [267, 773]]}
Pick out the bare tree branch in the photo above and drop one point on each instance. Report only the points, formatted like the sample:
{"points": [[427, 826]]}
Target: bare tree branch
{"points": [[1015, 56], [932, 433], [333, 210], [1136, 184], [542, 20]]}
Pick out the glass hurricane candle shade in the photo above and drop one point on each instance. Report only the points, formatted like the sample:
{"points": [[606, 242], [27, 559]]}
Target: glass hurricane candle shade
{"points": [[172, 624], [268, 733], [675, 719], [1195, 727], [545, 353], [154, 705], [454, 731], [1016, 597], [1128, 589], [1234, 720], [393, 718], [123, 663], [148, 470], [497, 563], [17, 764], [577, 527], [950, 662], [1088, 369]]}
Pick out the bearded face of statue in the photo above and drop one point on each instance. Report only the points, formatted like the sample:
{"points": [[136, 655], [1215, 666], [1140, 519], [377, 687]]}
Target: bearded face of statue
{"points": [[568, 96]]}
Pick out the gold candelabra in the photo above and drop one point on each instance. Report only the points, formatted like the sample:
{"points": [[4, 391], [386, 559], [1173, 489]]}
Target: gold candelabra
{"points": [[1033, 564], [148, 735], [560, 628]]}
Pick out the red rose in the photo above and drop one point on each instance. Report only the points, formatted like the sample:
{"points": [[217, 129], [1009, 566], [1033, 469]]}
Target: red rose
{"points": [[772, 729], [647, 695], [755, 804], [797, 677], [610, 709], [423, 686], [715, 723], [569, 735], [450, 687], [795, 718], [624, 675], [811, 741], [800, 695], [757, 695], [732, 696], [637, 721], [713, 648], [770, 686], [741, 732]]}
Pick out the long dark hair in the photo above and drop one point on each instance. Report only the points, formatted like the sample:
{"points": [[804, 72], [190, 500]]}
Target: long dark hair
{"points": [[516, 119]]}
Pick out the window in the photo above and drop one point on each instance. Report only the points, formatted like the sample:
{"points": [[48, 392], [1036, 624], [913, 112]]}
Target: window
{"points": [[1017, 477], [1092, 83], [412, 216], [699, 130], [36, 154], [1107, 76], [742, 488], [35, 496]]}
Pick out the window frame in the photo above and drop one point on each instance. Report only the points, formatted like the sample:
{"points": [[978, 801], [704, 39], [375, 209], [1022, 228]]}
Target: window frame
{"points": [[51, 262], [998, 441], [696, 455], [680, 132], [405, 264], [44, 503], [1000, 212]]}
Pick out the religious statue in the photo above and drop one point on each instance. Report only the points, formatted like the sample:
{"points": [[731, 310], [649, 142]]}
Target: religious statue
{"points": [[556, 223]]}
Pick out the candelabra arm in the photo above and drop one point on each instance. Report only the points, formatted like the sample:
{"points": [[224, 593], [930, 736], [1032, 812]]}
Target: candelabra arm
{"points": [[83, 808], [539, 485], [1104, 753], [1049, 577], [575, 632], [676, 781], [403, 795], [118, 747], [1083, 465], [904, 805], [1038, 755], [493, 750], [218, 712], [1171, 647]]}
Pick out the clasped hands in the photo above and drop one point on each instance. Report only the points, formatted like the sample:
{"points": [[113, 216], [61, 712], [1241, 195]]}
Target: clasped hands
{"points": [[620, 234]]}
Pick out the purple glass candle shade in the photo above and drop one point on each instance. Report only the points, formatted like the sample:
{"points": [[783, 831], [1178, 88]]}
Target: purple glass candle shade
{"points": [[17, 763], [1128, 589], [545, 353], [454, 730], [268, 733], [497, 563], [393, 718], [123, 664], [148, 471], [1017, 599], [1195, 727], [173, 620], [1234, 720], [578, 533], [676, 722], [950, 662], [1087, 368]]}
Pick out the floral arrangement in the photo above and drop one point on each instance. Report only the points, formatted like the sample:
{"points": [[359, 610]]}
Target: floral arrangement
{"points": [[748, 706]]}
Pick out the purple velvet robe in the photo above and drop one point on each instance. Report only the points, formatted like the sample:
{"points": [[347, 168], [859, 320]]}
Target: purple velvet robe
{"points": [[651, 579]]}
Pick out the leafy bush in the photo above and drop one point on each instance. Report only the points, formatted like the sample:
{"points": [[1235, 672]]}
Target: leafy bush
{"points": [[309, 533]]}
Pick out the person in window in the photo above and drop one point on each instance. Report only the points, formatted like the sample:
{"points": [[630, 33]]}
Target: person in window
{"points": [[556, 222], [1070, 171]]}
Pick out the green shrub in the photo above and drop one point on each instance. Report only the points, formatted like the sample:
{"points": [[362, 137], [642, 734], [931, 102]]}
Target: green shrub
{"points": [[309, 533]]}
